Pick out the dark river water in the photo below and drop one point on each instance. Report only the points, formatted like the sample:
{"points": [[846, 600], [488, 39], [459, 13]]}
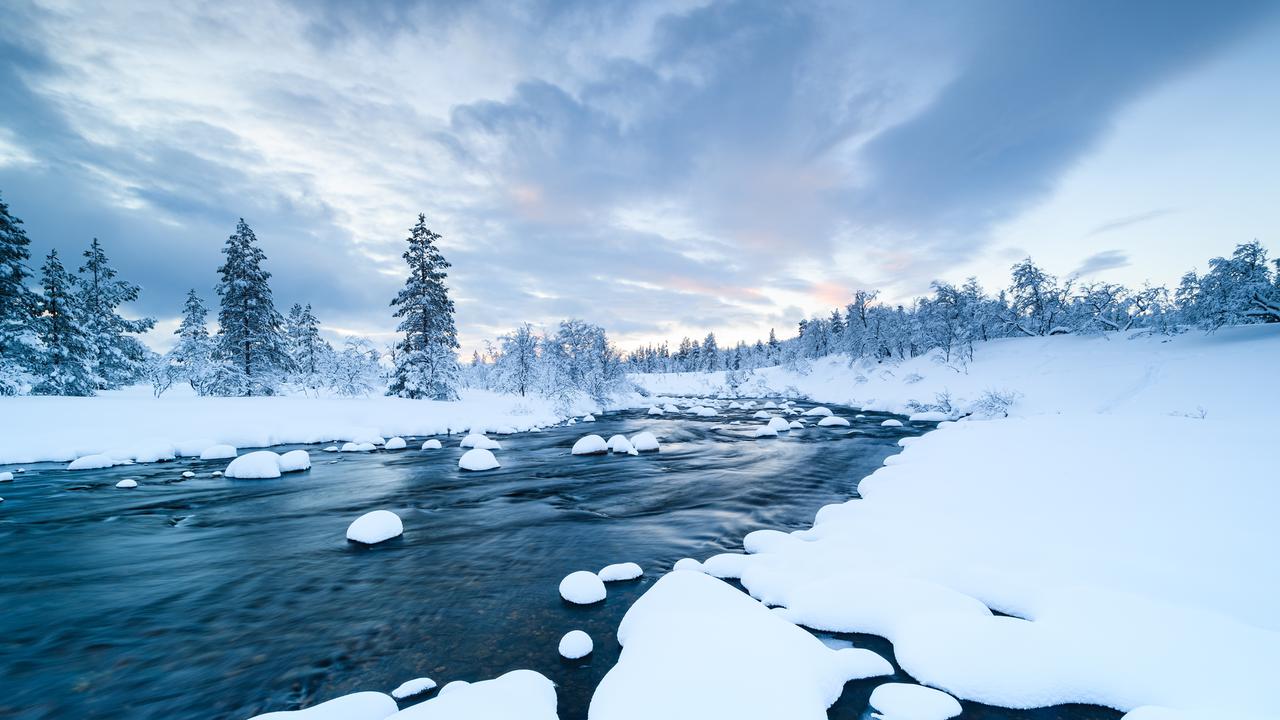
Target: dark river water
{"points": [[217, 598]]}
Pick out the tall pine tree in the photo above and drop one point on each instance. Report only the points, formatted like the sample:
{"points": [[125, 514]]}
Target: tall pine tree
{"points": [[426, 359], [65, 362], [115, 358], [18, 306], [251, 345], [192, 356]]}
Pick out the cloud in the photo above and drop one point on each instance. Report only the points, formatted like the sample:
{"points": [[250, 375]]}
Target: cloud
{"points": [[1129, 220], [1105, 260]]}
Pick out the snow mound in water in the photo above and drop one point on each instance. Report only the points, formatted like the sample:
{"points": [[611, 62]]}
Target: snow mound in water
{"points": [[590, 445], [371, 438], [762, 415], [358, 447], [833, 421], [432, 444], [95, 462], [396, 443], [620, 444], [769, 405], [655, 410], [704, 644], [374, 527], [477, 459], [891, 423], [6, 477], [765, 431], [704, 411], [644, 442], [331, 448], [218, 452], [356, 706], [620, 571], [518, 695], [795, 425], [575, 644], [688, 564], [127, 483], [588, 418], [258, 465], [479, 440], [670, 408], [416, 686], [582, 588], [295, 461], [779, 424], [152, 451], [818, 411], [903, 701], [187, 474]]}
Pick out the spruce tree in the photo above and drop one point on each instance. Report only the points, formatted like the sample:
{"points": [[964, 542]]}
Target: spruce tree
{"points": [[426, 362], [18, 306], [115, 358], [65, 352], [193, 354], [251, 345]]}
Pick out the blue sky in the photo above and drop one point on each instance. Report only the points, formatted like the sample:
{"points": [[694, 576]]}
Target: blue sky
{"points": [[658, 168]]}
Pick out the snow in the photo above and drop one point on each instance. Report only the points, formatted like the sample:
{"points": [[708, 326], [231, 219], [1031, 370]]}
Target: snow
{"points": [[331, 448], [704, 411], [655, 410], [688, 564], [261, 464], [903, 701], [127, 483], [645, 442], [765, 431], [358, 447], [518, 695], [396, 443], [932, 416], [6, 477], [295, 461], [694, 647], [575, 644], [590, 445], [188, 474], [795, 425], [779, 424], [152, 451], [478, 459], [834, 421], [620, 571], [375, 527], [479, 440], [890, 423], [95, 462], [762, 415], [818, 411], [218, 452], [582, 588], [588, 418], [670, 408], [620, 444], [356, 706], [416, 686], [432, 444]]}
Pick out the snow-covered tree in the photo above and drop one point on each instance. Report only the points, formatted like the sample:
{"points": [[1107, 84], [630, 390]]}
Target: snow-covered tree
{"points": [[426, 364], [251, 346], [18, 305], [192, 356], [1038, 302], [64, 366], [581, 358], [516, 365], [710, 353], [356, 370], [116, 358], [311, 355]]}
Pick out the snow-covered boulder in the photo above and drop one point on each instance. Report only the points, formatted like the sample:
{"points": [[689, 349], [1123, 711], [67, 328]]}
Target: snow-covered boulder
{"points": [[769, 405], [410, 688], [331, 448], [6, 476], [295, 461], [358, 447], [518, 695], [655, 410], [670, 408], [620, 444], [218, 452], [396, 443], [818, 411], [795, 425], [620, 571], [779, 424], [762, 415], [590, 445], [216, 473], [356, 706], [687, 564], [859, 416], [127, 483], [187, 475], [432, 444], [764, 431], [704, 411], [891, 423], [478, 459], [258, 465], [588, 418], [371, 438], [94, 462], [903, 701], [644, 442], [582, 588], [833, 421], [575, 644], [374, 527], [479, 440]]}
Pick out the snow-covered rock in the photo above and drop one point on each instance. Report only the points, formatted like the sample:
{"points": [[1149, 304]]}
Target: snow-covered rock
{"points": [[396, 443], [833, 421], [670, 408], [904, 701], [356, 706], [795, 425], [762, 415], [590, 445], [891, 422], [518, 695], [295, 461], [575, 644], [410, 688], [257, 465], [688, 564], [127, 483], [218, 452], [367, 438], [479, 440], [655, 410], [216, 473], [6, 476], [95, 462], [620, 444], [779, 424], [187, 474], [765, 431], [478, 459], [588, 418], [331, 448], [704, 411], [375, 527], [357, 447], [582, 588], [769, 405], [620, 571], [431, 444], [818, 411], [645, 442]]}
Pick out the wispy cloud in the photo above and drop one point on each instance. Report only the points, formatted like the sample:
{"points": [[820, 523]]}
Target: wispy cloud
{"points": [[1129, 220], [1105, 260]]}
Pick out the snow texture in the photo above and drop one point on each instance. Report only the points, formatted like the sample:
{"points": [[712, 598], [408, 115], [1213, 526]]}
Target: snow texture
{"points": [[375, 527], [582, 588], [218, 452]]}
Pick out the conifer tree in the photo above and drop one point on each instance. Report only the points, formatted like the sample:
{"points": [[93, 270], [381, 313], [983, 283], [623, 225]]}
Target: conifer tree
{"points": [[193, 355], [426, 361], [64, 367], [115, 358], [18, 306], [251, 346]]}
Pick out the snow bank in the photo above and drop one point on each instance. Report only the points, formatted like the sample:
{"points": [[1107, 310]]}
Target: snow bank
{"points": [[396, 443], [295, 461], [694, 647], [620, 571], [582, 588], [837, 421], [518, 695], [478, 459], [356, 706], [218, 452], [903, 701], [416, 686], [432, 444], [258, 465], [95, 462], [575, 644], [127, 483], [645, 442], [590, 445], [375, 527]]}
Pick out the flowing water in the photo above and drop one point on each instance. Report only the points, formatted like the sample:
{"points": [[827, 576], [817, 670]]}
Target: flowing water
{"points": [[219, 598]]}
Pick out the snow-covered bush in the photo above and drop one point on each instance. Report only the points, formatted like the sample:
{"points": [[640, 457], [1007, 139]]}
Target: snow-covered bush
{"points": [[996, 403]]}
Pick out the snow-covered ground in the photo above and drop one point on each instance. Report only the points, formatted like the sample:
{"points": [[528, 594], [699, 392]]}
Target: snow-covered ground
{"points": [[132, 425]]}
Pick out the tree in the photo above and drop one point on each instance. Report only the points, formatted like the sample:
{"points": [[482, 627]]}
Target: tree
{"points": [[517, 362], [355, 371], [426, 361], [1038, 301], [18, 305], [192, 357], [115, 357], [710, 353], [309, 353], [251, 346], [65, 363]]}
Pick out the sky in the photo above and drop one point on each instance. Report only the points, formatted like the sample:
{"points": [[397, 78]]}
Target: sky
{"points": [[659, 168]]}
